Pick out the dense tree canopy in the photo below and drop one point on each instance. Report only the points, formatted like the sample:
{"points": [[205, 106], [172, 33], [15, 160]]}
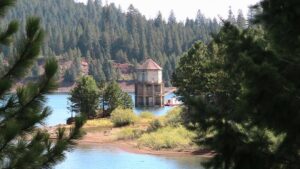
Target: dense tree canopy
{"points": [[104, 32], [242, 90]]}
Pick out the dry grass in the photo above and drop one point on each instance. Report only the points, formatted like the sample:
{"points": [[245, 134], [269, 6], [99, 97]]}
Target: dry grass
{"points": [[129, 133], [99, 123]]}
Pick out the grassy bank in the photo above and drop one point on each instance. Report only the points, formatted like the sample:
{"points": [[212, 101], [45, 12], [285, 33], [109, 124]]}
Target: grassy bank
{"points": [[146, 130], [167, 138]]}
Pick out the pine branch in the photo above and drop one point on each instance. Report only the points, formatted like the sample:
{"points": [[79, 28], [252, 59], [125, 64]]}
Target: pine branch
{"points": [[44, 86], [5, 37], [29, 52], [55, 154], [4, 5]]}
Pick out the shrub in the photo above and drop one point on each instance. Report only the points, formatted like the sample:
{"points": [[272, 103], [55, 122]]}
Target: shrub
{"points": [[123, 117], [147, 115], [167, 138], [154, 125], [129, 133], [173, 117]]}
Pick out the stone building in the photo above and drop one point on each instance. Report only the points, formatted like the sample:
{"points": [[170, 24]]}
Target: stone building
{"points": [[149, 86]]}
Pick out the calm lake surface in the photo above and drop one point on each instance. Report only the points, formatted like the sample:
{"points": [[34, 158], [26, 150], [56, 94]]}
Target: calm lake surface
{"points": [[111, 158], [95, 157]]}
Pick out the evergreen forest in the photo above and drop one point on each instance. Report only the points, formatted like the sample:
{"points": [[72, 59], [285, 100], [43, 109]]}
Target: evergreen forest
{"points": [[103, 34]]}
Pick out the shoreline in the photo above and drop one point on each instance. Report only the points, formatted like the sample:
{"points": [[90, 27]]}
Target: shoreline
{"points": [[106, 138], [127, 147]]}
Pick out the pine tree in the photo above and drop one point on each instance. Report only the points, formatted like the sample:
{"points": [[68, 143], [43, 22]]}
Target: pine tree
{"points": [[172, 18], [200, 20], [85, 97], [231, 17], [158, 20], [241, 91], [102, 31], [241, 21], [115, 98], [22, 144]]}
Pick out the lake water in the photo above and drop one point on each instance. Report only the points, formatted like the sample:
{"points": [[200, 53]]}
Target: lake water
{"points": [[91, 157], [94, 157]]}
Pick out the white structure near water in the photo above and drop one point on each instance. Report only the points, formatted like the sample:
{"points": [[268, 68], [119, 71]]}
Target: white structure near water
{"points": [[149, 86]]}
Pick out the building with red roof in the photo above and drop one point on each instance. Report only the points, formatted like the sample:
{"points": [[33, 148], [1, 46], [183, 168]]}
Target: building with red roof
{"points": [[149, 86], [149, 64]]}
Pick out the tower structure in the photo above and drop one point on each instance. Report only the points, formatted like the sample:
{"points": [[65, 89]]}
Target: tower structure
{"points": [[149, 86]]}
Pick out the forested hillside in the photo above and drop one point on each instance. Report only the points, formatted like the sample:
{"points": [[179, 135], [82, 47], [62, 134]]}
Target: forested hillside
{"points": [[103, 33]]}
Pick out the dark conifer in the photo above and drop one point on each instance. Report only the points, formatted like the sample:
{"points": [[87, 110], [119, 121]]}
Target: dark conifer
{"points": [[22, 144], [241, 91]]}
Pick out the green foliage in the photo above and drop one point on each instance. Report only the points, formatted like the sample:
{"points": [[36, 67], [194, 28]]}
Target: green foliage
{"points": [[106, 32], [22, 144], [167, 138], [129, 134], [4, 5], [72, 74], [280, 20], [122, 117], [126, 101], [115, 97], [242, 88], [154, 125], [174, 117], [241, 20], [85, 97]]}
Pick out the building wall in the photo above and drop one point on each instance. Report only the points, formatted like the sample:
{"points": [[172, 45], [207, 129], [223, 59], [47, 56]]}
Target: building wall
{"points": [[147, 94], [149, 88], [150, 76]]}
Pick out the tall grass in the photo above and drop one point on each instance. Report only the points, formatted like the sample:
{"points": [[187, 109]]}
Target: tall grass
{"points": [[128, 133], [168, 138]]}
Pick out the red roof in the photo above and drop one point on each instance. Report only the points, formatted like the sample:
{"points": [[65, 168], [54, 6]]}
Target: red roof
{"points": [[149, 64], [84, 63]]}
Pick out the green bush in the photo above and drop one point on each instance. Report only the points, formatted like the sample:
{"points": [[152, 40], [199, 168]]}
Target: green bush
{"points": [[123, 117], [168, 138], [173, 117], [147, 115], [128, 134], [154, 125]]}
